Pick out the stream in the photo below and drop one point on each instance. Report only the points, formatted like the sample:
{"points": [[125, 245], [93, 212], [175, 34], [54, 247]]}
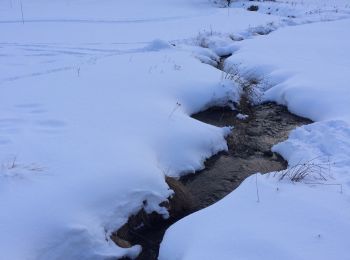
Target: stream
{"points": [[255, 130], [249, 151]]}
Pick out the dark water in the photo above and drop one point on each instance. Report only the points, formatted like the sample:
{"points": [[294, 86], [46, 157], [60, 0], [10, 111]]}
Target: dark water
{"points": [[249, 152]]}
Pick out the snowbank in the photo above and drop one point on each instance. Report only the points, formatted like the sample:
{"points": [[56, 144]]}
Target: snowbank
{"points": [[305, 68], [82, 150]]}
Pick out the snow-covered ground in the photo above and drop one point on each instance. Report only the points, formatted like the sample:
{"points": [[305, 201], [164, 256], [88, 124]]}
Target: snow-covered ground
{"points": [[96, 98]]}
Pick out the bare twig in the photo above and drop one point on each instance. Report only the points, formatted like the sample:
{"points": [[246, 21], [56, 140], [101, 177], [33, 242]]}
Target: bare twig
{"points": [[13, 164], [257, 188], [22, 12], [176, 107]]}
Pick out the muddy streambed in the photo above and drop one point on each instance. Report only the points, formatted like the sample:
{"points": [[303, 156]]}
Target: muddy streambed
{"points": [[249, 151]]}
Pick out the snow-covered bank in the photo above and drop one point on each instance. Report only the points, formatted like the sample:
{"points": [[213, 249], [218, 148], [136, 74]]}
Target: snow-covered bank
{"points": [[305, 68], [300, 10], [89, 148], [290, 222]]}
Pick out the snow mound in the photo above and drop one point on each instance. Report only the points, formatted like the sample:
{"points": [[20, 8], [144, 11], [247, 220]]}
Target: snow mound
{"points": [[157, 45]]}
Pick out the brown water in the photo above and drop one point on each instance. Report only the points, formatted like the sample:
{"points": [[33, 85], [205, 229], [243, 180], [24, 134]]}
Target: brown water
{"points": [[249, 150]]}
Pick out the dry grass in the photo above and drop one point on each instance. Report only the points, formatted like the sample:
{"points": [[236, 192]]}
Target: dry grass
{"points": [[250, 82], [309, 170]]}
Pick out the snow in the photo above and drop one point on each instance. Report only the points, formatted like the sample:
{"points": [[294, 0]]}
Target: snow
{"points": [[242, 116], [289, 222], [300, 10], [96, 98], [310, 59], [100, 147]]}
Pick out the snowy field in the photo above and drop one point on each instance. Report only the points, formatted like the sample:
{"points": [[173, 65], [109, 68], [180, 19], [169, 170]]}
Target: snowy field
{"points": [[96, 98]]}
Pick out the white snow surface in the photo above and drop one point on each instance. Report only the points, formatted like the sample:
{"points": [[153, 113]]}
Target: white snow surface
{"points": [[242, 116], [96, 98]]}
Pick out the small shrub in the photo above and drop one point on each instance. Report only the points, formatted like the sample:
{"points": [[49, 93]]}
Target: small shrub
{"points": [[223, 3], [253, 8], [250, 82], [307, 170]]}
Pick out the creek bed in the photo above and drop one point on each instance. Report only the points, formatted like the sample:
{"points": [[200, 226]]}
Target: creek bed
{"points": [[249, 152], [249, 149]]}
